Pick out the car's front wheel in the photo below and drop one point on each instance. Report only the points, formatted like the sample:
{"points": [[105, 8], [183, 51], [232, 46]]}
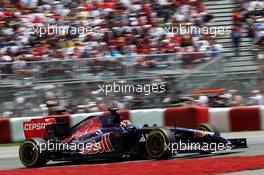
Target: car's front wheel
{"points": [[159, 143], [208, 127]]}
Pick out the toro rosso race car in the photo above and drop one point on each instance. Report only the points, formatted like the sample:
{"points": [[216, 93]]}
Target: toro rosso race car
{"points": [[107, 137]]}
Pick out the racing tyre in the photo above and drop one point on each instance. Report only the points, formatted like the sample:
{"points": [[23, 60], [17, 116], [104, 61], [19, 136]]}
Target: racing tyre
{"points": [[208, 127], [33, 153], [158, 143]]}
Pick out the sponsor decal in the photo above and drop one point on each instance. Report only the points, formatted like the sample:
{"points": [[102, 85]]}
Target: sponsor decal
{"points": [[34, 126], [104, 145]]}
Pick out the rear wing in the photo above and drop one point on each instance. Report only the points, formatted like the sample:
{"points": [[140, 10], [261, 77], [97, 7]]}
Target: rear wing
{"points": [[37, 127], [46, 127]]}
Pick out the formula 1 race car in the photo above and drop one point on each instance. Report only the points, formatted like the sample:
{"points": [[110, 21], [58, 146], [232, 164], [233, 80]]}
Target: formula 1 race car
{"points": [[107, 137]]}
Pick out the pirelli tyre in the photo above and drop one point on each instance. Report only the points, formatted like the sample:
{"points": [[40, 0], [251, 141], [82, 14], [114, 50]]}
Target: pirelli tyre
{"points": [[208, 127], [158, 143], [33, 153]]}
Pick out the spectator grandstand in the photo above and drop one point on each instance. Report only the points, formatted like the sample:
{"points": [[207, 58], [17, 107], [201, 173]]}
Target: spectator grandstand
{"points": [[253, 12], [127, 40], [123, 28]]}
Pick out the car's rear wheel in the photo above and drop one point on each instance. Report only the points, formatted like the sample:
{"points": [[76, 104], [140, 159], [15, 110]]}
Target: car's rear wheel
{"points": [[159, 143], [32, 152], [208, 127]]}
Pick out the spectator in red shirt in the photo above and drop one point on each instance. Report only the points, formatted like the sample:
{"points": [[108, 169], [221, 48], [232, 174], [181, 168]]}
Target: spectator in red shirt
{"points": [[236, 35], [237, 17]]}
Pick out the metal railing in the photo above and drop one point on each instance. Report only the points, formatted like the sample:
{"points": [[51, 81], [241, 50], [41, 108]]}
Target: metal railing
{"points": [[102, 68], [81, 75]]}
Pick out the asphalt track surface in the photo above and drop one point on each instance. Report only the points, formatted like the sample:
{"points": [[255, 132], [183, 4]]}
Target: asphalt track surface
{"points": [[9, 155]]}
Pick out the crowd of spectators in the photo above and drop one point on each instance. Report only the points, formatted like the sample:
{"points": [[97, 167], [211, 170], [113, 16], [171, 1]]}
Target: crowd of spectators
{"points": [[116, 28], [252, 12], [62, 100], [231, 98]]}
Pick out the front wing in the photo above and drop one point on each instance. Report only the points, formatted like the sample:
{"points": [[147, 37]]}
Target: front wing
{"points": [[238, 143]]}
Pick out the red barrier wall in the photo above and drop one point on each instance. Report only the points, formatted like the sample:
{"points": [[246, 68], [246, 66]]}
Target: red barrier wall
{"points": [[245, 119], [5, 133], [188, 117]]}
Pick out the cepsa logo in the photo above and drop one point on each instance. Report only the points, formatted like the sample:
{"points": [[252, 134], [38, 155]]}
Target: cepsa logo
{"points": [[34, 126], [93, 147]]}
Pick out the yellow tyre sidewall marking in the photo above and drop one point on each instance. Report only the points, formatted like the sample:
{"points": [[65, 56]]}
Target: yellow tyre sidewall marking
{"points": [[162, 136], [21, 154]]}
